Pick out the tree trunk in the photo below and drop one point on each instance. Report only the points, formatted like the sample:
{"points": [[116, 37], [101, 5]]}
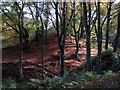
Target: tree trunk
{"points": [[42, 46], [41, 36], [82, 22], [57, 24], [107, 27], [63, 35], [87, 29], [20, 26], [26, 46], [37, 25], [46, 21], [60, 37], [46, 29], [77, 45], [117, 38], [99, 41], [76, 33]]}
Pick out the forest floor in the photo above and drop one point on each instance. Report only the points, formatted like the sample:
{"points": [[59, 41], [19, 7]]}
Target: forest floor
{"points": [[32, 61]]}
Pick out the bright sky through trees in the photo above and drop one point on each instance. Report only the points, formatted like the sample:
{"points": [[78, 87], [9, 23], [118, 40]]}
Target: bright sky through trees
{"points": [[117, 1]]}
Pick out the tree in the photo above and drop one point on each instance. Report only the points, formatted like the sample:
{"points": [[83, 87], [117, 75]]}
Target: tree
{"points": [[82, 21], [75, 21], [47, 13], [117, 38], [40, 11], [12, 15], [99, 40], [76, 32], [61, 34], [87, 30], [107, 25], [20, 26]]}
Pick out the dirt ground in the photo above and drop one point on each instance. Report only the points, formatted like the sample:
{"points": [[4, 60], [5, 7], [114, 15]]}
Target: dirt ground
{"points": [[32, 61]]}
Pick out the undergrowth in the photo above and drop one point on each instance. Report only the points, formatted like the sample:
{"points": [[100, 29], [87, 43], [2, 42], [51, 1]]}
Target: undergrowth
{"points": [[71, 79], [110, 63]]}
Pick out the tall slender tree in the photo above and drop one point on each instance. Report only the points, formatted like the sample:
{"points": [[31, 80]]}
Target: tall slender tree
{"points": [[87, 30], [76, 33], [99, 40], [47, 12], [108, 25], [39, 9], [117, 38], [62, 39], [61, 34], [20, 26]]}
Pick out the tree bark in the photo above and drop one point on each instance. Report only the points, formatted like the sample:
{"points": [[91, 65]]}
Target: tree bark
{"points": [[20, 26], [117, 38], [63, 35], [87, 29], [76, 33], [99, 41], [107, 26], [46, 21], [42, 55]]}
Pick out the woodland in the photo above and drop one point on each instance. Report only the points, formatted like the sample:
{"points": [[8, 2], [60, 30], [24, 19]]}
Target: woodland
{"points": [[56, 45]]}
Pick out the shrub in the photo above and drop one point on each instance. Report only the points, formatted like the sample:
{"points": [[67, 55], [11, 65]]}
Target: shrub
{"points": [[109, 61], [90, 75], [46, 83], [108, 73], [9, 83]]}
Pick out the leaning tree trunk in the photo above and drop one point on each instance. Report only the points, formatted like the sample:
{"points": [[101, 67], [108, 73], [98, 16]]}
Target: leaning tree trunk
{"points": [[77, 44], [76, 33]]}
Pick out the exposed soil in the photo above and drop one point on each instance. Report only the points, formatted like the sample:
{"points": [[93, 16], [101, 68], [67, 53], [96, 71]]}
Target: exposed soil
{"points": [[32, 60], [32, 63]]}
